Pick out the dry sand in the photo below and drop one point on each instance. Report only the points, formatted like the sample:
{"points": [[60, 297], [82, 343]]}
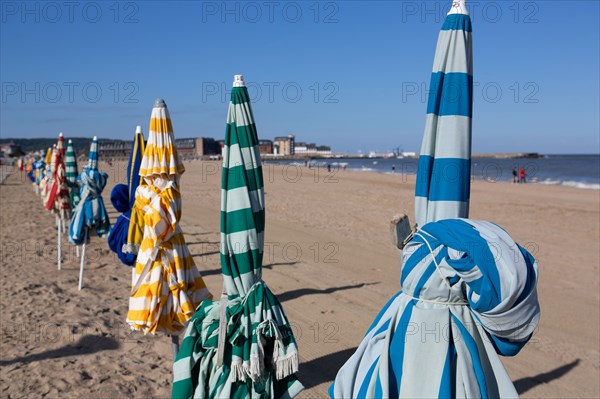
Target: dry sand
{"points": [[329, 259]]}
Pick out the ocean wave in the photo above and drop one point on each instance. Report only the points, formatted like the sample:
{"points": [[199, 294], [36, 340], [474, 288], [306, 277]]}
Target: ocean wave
{"points": [[570, 183], [364, 169]]}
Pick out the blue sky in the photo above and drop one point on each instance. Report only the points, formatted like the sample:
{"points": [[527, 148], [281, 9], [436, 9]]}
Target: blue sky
{"points": [[350, 74]]}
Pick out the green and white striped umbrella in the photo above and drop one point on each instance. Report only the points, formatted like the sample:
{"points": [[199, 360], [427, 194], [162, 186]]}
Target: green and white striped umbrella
{"points": [[241, 346], [72, 173]]}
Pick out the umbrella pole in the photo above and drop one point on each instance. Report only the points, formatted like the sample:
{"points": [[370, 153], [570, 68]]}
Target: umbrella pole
{"points": [[82, 259], [175, 345], [59, 246], [77, 250]]}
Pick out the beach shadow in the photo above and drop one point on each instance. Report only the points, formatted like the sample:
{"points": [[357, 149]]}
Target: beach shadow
{"points": [[270, 266], [323, 369], [201, 233], [206, 254], [218, 271], [525, 384], [287, 296], [86, 345], [209, 272], [204, 242]]}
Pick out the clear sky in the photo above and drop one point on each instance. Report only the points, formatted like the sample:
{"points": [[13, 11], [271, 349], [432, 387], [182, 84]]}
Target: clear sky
{"points": [[350, 74]]}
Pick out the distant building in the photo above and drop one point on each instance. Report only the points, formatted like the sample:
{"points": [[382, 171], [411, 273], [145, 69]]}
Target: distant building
{"points": [[11, 149], [188, 148], [311, 149], [194, 148], [284, 145], [116, 150], [265, 147]]}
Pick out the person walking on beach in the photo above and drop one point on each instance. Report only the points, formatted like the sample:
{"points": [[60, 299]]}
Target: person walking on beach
{"points": [[522, 175], [515, 175]]}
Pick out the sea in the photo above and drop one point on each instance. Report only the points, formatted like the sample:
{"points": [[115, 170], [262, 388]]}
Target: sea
{"points": [[579, 171]]}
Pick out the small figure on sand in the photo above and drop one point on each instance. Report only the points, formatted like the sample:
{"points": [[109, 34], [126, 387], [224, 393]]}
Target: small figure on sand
{"points": [[515, 175], [522, 176]]}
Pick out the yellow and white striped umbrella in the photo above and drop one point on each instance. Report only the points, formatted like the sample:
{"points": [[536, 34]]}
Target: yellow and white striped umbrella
{"points": [[160, 155], [167, 286]]}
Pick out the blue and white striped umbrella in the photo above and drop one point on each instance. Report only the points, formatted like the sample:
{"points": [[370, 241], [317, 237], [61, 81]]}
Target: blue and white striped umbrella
{"points": [[469, 292], [90, 213], [468, 295], [443, 174]]}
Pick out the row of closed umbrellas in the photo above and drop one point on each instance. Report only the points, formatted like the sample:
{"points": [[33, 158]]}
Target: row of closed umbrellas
{"points": [[465, 274]]}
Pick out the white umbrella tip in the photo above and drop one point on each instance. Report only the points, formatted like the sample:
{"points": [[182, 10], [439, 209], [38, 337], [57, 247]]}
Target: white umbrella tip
{"points": [[138, 129], [95, 138], [160, 103], [70, 141], [459, 7], [238, 81], [60, 134]]}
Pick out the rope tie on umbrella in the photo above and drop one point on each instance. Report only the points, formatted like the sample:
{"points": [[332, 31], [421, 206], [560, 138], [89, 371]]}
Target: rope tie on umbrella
{"points": [[437, 266], [461, 303]]}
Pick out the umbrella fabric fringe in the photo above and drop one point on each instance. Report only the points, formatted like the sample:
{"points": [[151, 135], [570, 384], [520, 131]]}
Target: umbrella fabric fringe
{"points": [[286, 366], [200, 343]]}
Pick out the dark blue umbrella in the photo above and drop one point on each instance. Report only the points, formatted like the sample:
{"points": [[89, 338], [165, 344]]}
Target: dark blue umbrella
{"points": [[123, 198]]}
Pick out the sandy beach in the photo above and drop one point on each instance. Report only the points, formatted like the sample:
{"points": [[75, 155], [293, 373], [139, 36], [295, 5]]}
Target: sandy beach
{"points": [[328, 257]]}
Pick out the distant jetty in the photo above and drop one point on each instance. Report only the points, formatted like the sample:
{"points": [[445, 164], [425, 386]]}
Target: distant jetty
{"points": [[509, 155], [303, 157]]}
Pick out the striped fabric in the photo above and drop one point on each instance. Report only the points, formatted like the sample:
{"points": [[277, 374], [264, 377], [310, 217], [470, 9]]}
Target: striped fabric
{"points": [[71, 164], [58, 198], [167, 286], [39, 166], [46, 177], [260, 356], [93, 155], [468, 295], [443, 173], [48, 158], [135, 227], [29, 170], [160, 154], [71, 175], [90, 214]]}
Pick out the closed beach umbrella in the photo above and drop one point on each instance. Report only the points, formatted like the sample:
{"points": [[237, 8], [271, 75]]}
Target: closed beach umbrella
{"points": [[123, 198], [58, 197], [167, 286], [469, 292], [90, 215], [29, 170], [443, 173], [71, 174], [39, 167], [135, 231], [47, 174], [241, 346]]}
